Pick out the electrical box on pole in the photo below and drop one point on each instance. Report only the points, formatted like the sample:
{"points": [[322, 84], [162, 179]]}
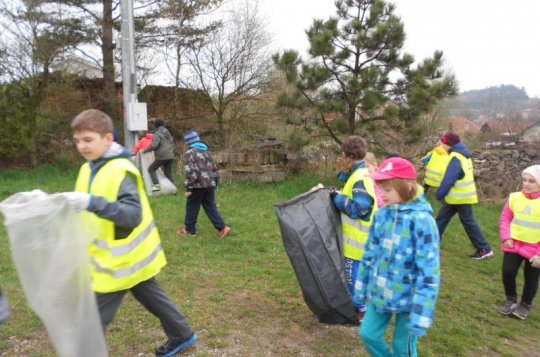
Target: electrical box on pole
{"points": [[137, 117], [134, 113]]}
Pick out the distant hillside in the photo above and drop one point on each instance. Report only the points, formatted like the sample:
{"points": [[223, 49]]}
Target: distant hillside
{"points": [[492, 101]]}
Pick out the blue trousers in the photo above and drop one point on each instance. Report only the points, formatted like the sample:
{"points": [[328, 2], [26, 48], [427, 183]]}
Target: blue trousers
{"points": [[206, 198], [351, 271], [373, 329], [466, 217]]}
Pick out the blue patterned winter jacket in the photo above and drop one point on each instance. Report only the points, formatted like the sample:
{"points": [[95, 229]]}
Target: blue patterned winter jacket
{"points": [[400, 269]]}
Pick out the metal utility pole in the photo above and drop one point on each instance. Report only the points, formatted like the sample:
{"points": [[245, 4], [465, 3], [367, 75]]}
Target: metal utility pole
{"points": [[134, 112]]}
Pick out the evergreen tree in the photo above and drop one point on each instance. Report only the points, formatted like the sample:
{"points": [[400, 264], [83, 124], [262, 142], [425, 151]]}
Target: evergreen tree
{"points": [[356, 67]]}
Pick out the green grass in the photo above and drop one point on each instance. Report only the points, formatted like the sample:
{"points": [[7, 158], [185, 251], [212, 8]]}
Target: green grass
{"points": [[241, 295]]}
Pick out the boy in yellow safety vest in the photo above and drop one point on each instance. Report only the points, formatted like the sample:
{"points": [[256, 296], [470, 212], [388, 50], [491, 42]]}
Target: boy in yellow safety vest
{"points": [[126, 253], [458, 193], [436, 162], [357, 203]]}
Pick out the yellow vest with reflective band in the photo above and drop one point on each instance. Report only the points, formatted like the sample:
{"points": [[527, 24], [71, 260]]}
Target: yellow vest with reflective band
{"points": [[436, 167], [355, 231], [464, 190], [119, 264], [525, 226]]}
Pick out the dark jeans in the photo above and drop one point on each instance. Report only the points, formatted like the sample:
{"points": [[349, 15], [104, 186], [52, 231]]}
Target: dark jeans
{"points": [[167, 170], [466, 217], [510, 267], [155, 300], [206, 198]]}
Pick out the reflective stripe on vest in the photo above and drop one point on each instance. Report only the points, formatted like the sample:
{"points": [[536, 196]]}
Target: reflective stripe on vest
{"points": [[126, 272], [126, 248], [525, 226], [119, 264], [355, 231], [464, 190], [436, 168]]}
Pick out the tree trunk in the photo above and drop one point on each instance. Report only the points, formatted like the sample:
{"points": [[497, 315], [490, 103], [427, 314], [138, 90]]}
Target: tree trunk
{"points": [[32, 137], [109, 100]]}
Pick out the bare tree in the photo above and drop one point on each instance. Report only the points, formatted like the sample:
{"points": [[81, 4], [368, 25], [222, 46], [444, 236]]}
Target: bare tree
{"points": [[30, 44], [233, 64], [172, 27]]}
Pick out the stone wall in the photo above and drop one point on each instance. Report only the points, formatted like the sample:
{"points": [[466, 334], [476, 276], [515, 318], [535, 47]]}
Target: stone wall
{"points": [[264, 162], [498, 171]]}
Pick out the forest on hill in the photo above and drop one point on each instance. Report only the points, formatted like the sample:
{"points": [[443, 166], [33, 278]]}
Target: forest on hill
{"points": [[492, 101]]}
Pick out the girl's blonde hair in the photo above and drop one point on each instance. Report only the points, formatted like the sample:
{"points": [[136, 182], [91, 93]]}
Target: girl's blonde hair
{"points": [[371, 159], [407, 189]]}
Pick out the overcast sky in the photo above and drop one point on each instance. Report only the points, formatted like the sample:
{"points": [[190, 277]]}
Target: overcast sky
{"points": [[485, 42]]}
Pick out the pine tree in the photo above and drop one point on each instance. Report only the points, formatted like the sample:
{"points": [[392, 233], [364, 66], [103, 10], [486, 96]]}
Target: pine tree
{"points": [[356, 67]]}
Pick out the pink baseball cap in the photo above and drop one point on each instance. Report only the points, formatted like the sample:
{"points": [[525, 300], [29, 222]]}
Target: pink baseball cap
{"points": [[394, 167]]}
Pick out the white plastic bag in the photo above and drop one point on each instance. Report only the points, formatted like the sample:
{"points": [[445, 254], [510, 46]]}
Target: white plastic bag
{"points": [[143, 161], [50, 252]]}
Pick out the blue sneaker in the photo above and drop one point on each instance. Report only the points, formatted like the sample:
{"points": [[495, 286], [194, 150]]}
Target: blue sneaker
{"points": [[172, 347]]}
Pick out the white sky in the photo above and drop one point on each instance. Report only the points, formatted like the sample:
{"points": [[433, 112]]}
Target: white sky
{"points": [[485, 42]]}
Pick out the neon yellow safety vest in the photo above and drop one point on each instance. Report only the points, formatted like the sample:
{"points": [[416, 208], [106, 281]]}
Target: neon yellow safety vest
{"points": [[355, 231], [526, 223], [436, 167], [464, 190], [120, 264]]}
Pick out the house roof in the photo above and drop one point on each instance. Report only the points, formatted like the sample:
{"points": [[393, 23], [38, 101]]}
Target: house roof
{"points": [[512, 126], [462, 125]]}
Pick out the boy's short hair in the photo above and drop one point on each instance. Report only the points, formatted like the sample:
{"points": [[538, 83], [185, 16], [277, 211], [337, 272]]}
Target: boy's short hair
{"points": [[355, 146], [406, 188], [93, 120]]}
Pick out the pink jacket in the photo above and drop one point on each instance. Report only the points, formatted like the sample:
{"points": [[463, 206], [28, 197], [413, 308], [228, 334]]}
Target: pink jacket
{"points": [[144, 143], [526, 250]]}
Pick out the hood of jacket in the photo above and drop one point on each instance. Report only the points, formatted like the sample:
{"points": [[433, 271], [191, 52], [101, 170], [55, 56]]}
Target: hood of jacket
{"points": [[419, 203], [462, 149], [441, 150]]}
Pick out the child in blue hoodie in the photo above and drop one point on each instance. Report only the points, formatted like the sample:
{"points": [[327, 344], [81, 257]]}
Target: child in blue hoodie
{"points": [[399, 273]]}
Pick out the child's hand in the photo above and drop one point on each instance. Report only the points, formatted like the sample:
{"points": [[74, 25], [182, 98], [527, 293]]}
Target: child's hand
{"points": [[509, 243], [77, 200], [188, 193], [535, 261]]}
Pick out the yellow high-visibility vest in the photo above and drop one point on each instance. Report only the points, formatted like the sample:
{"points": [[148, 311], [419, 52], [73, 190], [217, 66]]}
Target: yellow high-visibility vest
{"points": [[355, 231], [526, 223], [464, 190], [119, 264], [436, 167]]}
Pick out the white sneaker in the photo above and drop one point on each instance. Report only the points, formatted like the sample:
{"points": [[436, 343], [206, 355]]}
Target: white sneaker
{"points": [[156, 188]]}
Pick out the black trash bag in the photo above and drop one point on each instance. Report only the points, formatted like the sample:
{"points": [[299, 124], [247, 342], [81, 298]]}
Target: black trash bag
{"points": [[311, 231]]}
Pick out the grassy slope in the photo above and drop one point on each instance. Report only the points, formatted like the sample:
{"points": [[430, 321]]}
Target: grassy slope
{"points": [[242, 296]]}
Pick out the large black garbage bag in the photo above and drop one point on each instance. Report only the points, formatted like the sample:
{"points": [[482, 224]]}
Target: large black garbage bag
{"points": [[311, 232]]}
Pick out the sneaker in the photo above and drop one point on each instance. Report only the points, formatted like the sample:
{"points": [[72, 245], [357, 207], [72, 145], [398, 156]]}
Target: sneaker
{"points": [[360, 312], [184, 232], [360, 315], [508, 307], [156, 188], [222, 233], [482, 254], [172, 347], [521, 312]]}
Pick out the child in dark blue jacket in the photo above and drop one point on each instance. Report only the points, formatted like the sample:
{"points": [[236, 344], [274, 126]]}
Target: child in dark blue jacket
{"points": [[399, 273], [458, 193]]}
